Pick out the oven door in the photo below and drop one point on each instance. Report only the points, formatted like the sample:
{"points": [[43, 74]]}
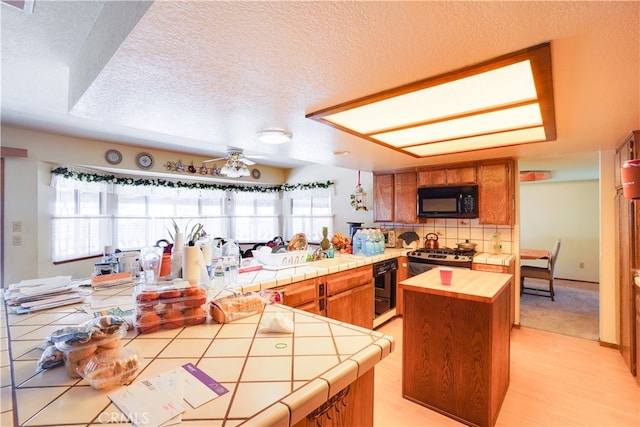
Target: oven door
{"points": [[416, 268]]}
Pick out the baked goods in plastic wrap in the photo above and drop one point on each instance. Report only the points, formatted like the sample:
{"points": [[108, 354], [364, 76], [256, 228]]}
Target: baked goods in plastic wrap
{"points": [[170, 306], [234, 307], [111, 368], [80, 343]]}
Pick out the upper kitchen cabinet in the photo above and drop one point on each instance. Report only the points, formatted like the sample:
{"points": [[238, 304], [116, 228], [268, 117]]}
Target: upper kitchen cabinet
{"points": [[626, 151], [447, 176], [496, 192], [405, 200], [383, 192]]}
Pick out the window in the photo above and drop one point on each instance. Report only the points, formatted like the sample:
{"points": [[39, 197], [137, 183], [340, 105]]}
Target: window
{"points": [[255, 216], [308, 212], [79, 220], [91, 215]]}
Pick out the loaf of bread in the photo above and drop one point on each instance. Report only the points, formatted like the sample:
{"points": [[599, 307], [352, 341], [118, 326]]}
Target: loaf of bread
{"points": [[111, 368], [228, 309]]}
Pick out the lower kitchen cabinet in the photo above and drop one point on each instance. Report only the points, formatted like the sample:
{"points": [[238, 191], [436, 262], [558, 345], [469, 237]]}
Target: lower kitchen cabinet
{"points": [[303, 295], [354, 306], [512, 289], [401, 274], [351, 406], [347, 296], [350, 296]]}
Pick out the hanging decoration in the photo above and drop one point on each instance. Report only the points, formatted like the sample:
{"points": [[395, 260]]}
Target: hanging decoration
{"points": [[359, 197], [159, 182]]}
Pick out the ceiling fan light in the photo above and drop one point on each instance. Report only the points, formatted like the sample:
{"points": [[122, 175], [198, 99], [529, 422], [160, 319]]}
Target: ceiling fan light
{"points": [[274, 136]]}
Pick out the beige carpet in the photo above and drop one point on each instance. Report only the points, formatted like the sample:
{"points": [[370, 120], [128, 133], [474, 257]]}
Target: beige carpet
{"points": [[574, 311]]}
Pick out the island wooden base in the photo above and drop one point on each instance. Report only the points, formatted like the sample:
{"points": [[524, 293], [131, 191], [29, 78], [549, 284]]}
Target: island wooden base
{"points": [[456, 354], [352, 406]]}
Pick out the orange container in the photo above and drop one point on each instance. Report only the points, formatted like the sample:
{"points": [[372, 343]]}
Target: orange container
{"points": [[630, 176], [165, 267]]}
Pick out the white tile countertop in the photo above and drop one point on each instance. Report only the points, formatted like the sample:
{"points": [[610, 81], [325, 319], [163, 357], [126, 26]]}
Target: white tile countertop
{"points": [[273, 379], [253, 281], [487, 258]]}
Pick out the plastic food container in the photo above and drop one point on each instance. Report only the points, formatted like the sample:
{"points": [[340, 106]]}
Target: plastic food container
{"points": [[169, 306], [228, 309], [111, 368], [79, 344]]}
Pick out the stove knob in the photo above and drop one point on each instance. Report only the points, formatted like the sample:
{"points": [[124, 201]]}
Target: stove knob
{"points": [[456, 257]]}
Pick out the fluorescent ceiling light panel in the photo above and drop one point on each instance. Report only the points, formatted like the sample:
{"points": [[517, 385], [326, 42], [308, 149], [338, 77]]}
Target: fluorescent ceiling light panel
{"points": [[506, 94], [501, 120], [479, 142]]}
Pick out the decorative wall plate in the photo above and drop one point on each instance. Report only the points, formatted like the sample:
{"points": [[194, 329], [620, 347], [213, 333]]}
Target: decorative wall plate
{"points": [[144, 160], [113, 156]]}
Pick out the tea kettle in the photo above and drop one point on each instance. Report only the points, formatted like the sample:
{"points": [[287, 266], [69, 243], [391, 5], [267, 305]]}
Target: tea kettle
{"points": [[431, 241]]}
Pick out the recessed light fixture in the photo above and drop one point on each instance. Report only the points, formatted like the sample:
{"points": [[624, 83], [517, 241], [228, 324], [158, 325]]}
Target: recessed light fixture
{"points": [[503, 101], [274, 136]]}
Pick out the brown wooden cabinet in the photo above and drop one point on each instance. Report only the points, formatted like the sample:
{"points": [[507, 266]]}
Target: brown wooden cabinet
{"points": [[303, 295], [496, 192], [429, 178], [513, 290], [461, 175], [350, 296], [628, 238], [456, 175], [402, 273], [383, 197], [405, 200], [352, 406], [627, 150], [456, 352]]}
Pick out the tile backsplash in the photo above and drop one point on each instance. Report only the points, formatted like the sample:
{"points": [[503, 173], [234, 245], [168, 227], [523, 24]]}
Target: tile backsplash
{"points": [[452, 231]]}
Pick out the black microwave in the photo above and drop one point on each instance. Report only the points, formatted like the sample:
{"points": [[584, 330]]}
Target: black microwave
{"points": [[448, 202]]}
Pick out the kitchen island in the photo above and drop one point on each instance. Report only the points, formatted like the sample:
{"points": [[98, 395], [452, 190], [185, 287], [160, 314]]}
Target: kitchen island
{"points": [[273, 379], [456, 343]]}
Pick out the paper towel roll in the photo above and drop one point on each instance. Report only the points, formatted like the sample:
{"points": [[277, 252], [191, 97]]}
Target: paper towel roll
{"points": [[206, 252], [192, 262], [179, 242]]}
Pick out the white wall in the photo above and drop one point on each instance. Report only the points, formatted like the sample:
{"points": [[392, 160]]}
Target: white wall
{"points": [[345, 184], [568, 210]]}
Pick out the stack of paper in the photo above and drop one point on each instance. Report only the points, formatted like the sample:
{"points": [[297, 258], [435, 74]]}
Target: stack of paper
{"points": [[158, 401], [40, 294]]}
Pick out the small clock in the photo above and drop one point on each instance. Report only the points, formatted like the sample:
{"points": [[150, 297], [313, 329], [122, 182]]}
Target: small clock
{"points": [[144, 160], [255, 173], [113, 156]]}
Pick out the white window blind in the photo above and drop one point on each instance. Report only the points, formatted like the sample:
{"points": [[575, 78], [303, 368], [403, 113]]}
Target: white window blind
{"points": [[80, 222], [308, 212], [255, 216]]}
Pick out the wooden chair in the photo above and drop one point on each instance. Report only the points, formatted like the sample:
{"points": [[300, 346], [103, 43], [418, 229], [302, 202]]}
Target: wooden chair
{"points": [[545, 273]]}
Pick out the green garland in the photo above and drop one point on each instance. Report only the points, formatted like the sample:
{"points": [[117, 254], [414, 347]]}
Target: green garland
{"points": [[112, 179]]}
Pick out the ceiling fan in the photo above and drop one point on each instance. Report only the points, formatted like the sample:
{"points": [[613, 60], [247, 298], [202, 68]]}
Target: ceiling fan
{"points": [[236, 163], [235, 155]]}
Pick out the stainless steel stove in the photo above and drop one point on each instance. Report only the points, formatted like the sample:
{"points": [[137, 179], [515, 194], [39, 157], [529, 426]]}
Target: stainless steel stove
{"points": [[422, 260]]}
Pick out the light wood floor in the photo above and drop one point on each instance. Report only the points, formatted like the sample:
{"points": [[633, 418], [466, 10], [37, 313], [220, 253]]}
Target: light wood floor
{"points": [[556, 380]]}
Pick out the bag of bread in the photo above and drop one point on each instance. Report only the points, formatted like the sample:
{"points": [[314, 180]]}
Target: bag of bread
{"points": [[234, 307]]}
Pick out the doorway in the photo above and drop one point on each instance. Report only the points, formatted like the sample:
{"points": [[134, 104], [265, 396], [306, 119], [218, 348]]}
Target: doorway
{"points": [[565, 206]]}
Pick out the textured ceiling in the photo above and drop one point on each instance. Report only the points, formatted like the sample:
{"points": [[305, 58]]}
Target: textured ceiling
{"points": [[203, 76]]}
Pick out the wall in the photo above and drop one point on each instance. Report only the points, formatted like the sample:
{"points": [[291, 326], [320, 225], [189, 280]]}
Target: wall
{"points": [[345, 184], [568, 210]]}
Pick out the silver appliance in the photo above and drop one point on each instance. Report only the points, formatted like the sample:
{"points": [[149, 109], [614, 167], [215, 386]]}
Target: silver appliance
{"points": [[424, 259]]}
